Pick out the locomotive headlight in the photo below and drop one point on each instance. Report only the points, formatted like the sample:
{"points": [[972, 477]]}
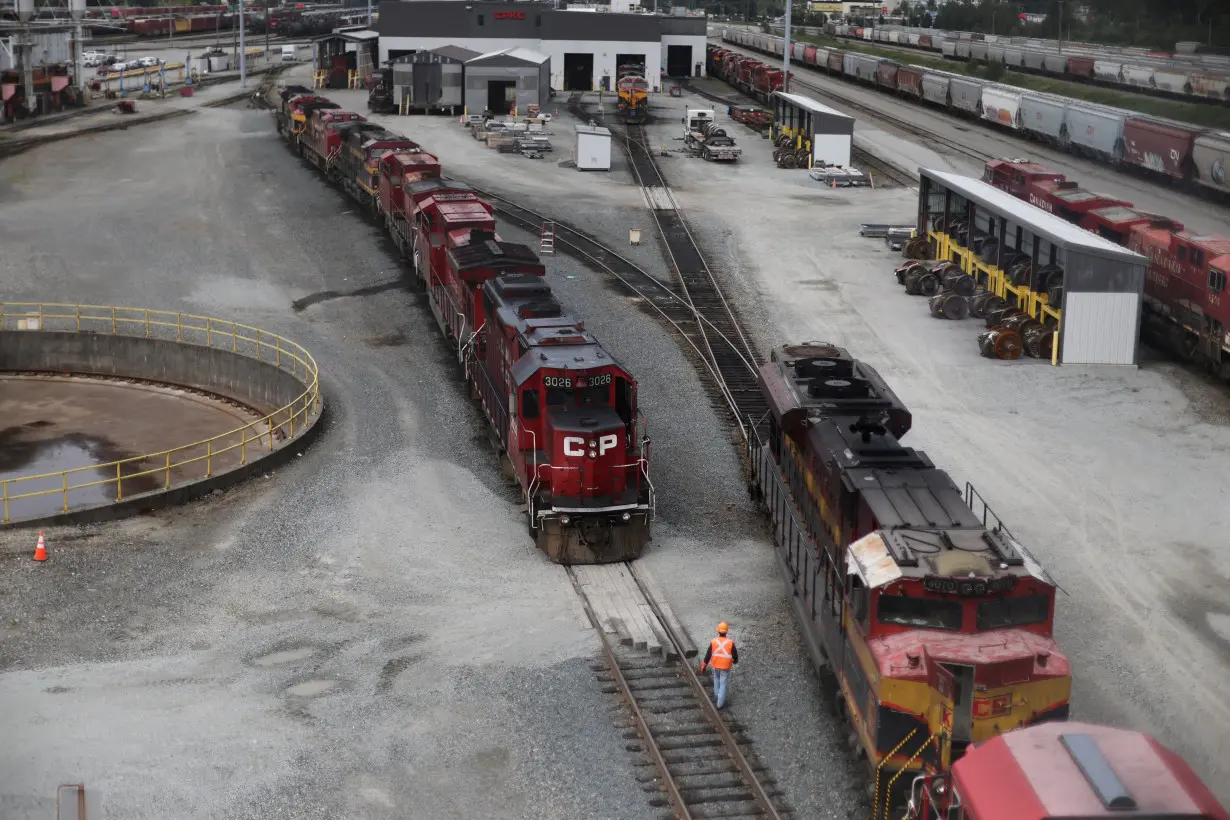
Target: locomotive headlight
{"points": [[626, 517], [592, 444], [565, 520]]}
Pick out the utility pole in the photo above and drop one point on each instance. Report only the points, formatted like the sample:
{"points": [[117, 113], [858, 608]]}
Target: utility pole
{"points": [[1061, 2], [243, 57], [369, 13], [786, 51], [267, 2]]}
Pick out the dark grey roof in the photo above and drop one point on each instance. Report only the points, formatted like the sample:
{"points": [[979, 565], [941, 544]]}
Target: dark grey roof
{"points": [[563, 357], [455, 53]]}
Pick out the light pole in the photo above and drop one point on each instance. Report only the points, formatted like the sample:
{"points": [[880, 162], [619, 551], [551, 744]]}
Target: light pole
{"points": [[786, 51], [243, 57], [1061, 2]]}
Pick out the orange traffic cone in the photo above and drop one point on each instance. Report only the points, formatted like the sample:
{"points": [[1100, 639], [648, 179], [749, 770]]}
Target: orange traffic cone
{"points": [[40, 551]]}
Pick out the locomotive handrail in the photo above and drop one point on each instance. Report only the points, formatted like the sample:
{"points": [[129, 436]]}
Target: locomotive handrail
{"points": [[183, 328]]}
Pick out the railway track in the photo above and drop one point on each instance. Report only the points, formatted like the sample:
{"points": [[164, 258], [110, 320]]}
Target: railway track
{"points": [[703, 764]]}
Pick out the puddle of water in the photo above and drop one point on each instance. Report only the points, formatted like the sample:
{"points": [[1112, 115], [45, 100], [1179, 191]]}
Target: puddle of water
{"points": [[33, 449], [311, 688], [287, 656]]}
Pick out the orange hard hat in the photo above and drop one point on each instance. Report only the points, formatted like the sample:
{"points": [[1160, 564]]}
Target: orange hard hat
{"points": [[722, 627]]}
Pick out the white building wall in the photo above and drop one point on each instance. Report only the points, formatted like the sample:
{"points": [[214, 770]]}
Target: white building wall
{"points": [[696, 41], [605, 52], [1100, 328]]}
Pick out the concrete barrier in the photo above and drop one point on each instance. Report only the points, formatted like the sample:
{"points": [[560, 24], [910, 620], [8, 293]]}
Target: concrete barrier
{"points": [[259, 383]]}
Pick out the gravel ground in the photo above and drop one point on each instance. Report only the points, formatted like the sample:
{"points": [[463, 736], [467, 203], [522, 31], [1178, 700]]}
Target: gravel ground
{"points": [[305, 615], [366, 633]]}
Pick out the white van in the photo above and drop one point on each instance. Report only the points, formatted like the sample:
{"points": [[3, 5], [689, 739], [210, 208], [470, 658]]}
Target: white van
{"points": [[288, 54]]}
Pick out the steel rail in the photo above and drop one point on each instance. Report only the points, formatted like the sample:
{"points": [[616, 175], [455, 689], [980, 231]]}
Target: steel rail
{"points": [[728, 740], [509, 210], [642, 725]]}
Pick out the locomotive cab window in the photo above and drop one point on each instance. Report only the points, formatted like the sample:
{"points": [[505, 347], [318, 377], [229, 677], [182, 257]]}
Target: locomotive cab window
{"points": [[858, 599], [623, 400], [1006, 612], [529, 404], [928, 613], [1217, 280]]}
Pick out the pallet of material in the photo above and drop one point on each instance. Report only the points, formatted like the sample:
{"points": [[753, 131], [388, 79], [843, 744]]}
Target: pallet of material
{"points": [[498, 140]]}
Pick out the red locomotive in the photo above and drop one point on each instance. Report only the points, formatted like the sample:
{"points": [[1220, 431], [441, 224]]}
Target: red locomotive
{"points": [[1185, 307], [1065, 770], [562, 410]]}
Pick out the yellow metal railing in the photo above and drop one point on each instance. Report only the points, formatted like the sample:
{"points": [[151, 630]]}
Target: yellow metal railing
{"points": [[281, 424]]}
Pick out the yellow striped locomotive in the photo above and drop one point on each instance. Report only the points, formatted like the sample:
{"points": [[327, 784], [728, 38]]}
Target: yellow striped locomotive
{"points": [[931, 626], [632, 89]]}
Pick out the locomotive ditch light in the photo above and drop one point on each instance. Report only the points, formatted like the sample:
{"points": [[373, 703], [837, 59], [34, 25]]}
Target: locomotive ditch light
{"points": [[593, 454], [626, 517], [565, 520]]}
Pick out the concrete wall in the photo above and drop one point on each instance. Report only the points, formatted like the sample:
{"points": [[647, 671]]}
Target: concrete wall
{"points": [[261, 385]]}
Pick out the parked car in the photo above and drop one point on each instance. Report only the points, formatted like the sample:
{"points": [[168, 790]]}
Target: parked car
{"points": [[149, 62]]}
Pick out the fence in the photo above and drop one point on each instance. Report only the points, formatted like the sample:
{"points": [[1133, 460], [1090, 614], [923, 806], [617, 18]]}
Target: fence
{"points": [[204, 340]]}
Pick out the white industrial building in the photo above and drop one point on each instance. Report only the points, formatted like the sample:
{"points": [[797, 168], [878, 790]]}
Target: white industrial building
{"points": [[584, 47]]}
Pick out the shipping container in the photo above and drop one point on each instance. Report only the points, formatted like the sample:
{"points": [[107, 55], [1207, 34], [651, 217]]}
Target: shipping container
{"points": [[1080, 66], [936, 88], [886, 75], [1044, 116], [1108, 71], [909, 80], [1165, 149], [1138, 75], [1055, 63], [1001, 104], [1096, 130], [966, 95], [1174, 80], [1211, 160]]}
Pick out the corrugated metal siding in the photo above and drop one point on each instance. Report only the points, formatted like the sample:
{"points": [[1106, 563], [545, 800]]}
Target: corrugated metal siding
{"points": [[1099, 328]]}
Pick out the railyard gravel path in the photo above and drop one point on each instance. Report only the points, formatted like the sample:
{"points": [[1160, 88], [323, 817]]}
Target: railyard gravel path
{"points": [[366, 632]]}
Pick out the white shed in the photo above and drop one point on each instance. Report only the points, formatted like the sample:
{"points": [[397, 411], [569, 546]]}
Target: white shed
{"points": [[593, 148]]}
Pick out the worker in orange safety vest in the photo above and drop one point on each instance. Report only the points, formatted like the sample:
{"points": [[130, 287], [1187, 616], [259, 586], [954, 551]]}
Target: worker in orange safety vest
{"points": [[721, 657]]}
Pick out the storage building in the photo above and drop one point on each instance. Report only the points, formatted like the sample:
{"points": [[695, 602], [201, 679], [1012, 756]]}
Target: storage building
{"points": [[501, 80], [593, 148], [1060, 274], [825, 134], [585, 47], [431, 80], [342, 52]]}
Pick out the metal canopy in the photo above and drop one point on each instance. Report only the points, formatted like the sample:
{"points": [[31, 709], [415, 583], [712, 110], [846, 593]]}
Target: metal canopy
{"points": [[1037, 221]]}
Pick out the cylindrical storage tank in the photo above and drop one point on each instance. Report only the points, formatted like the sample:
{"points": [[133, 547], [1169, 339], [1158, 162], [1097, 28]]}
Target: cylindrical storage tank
{"points": [[886, 75], [1174, 80], [909, 80], [936, 88], [1108, 71], [1211, 159], [1001, 104], [966, 95], [1160, 147], [1055, 63], [1138, 75], [1097, 130], [1044, 116], [1080, 66]]}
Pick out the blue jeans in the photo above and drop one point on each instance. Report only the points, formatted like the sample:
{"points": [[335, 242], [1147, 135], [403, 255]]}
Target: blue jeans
{"points": [[721, 679]]}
